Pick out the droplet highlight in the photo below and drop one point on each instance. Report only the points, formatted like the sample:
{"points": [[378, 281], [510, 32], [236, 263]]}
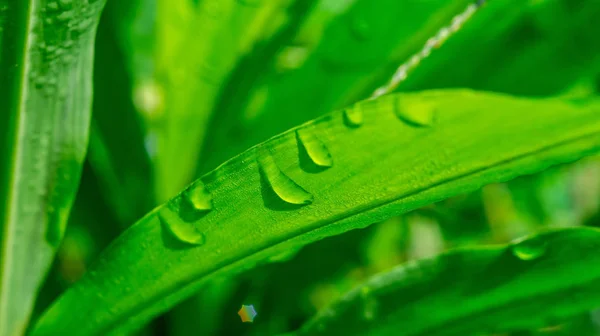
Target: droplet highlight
{"points": [[284, 187], [316, 150], [353, 116], [183, 231], [529, 249], [415, 113], [198, 197]]}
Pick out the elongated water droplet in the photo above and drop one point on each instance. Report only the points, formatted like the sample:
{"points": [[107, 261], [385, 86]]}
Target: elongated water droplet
{"points": [[529, 249], [415, 113], [286, 189], [180, 229], [198, 197], [353, 116], [316, 150]]}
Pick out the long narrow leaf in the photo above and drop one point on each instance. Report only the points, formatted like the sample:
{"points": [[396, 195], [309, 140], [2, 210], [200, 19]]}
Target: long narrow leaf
{"points": [[524, 285], [45, 79], [321, 179]]}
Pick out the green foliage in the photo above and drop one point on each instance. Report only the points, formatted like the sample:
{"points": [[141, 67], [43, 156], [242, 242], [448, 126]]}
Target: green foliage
{"points": [[469, 290], [242, 152], [46, 90]]}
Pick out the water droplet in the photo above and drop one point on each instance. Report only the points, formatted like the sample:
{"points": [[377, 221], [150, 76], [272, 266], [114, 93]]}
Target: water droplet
{"points": [[180, 229], [529, 249], [286, 189], [198, 197], [415, 113], [360, 28], [353, 116], [316, 150], [52, 6]]}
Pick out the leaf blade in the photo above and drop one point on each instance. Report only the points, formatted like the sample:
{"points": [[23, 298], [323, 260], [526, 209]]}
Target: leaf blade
{"points": [[370, 181], [497, 290], [46, 52]]}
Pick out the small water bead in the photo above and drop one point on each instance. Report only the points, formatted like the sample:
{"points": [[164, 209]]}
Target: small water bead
{"points": [[353, 116], [316, 150], [415, 113], [198, 197], [529, 249], [183, 231], [284, 187]]}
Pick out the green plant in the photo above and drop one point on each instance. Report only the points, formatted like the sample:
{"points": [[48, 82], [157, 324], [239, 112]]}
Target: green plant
{"points": [[298, 96]]}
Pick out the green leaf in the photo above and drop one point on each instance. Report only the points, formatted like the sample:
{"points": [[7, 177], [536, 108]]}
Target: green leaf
{"points": [[342, 53], [198, 48], [116, 149], [46, 58], [529, 51], [477, 289], [258, 212]]}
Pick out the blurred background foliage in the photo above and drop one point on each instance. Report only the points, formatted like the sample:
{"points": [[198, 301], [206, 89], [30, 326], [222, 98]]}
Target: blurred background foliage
{"points": [[182, 85]]}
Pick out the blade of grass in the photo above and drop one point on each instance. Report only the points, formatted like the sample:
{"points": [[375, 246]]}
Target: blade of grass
{"points": [[386, 166], [45, 76], [498, 288]]}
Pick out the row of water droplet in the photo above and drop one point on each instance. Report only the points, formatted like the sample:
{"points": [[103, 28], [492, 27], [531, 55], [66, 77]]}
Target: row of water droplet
{"points": [[57, 29], [434, 42], [181, 213]]}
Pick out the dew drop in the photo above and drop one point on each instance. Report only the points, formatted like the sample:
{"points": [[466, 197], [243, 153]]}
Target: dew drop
{"points": [[415, 113], [353, 116], [316, 150], [286, 189], [180, 229], [198, 197], [529, 249]]}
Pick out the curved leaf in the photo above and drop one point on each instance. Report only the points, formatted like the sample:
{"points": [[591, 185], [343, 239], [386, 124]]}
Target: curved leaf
{"points": [[46, 55], [273, 198], [523, 285]]}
